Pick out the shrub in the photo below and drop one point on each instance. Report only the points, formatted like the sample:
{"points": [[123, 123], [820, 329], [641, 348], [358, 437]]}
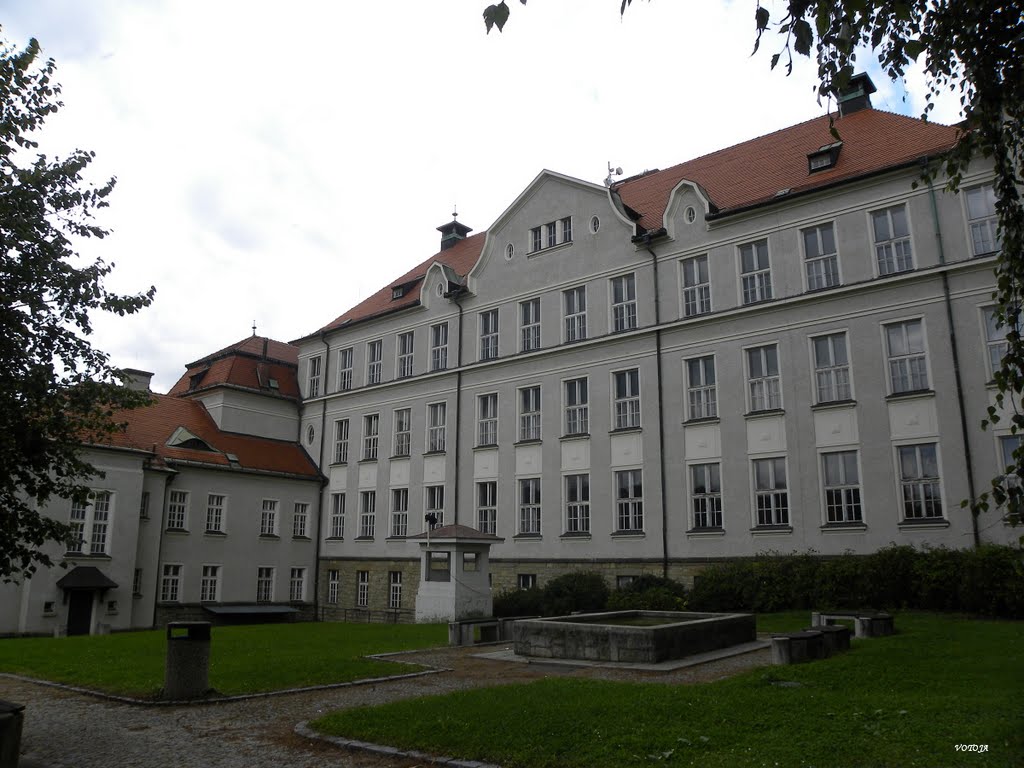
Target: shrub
{"points": [[649, 593], [572, 592], [519, 602]]}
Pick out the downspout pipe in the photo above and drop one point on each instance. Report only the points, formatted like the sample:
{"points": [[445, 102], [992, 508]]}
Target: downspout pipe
{"points": [[455, 295], [323, 478], [964, 432], [160, 541]]}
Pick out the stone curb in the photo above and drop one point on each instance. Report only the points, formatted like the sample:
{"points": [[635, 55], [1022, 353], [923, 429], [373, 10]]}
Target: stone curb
{"points": [[303, 729]]}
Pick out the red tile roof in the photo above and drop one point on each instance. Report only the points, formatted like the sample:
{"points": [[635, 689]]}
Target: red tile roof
{"points": [[734, 178], [752, 172], [149, 429], [249, 364]]}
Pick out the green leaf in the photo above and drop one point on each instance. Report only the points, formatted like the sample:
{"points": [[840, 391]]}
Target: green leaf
{"points": [[496, 16]]}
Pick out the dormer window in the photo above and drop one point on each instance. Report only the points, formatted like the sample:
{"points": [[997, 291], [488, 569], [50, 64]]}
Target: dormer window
{"points": [[551, 234], [183, 438], [824, 158], [397, 292]]}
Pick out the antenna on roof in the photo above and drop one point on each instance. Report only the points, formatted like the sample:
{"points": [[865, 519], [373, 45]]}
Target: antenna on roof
{"points": [[253, 327], [612, 172]]}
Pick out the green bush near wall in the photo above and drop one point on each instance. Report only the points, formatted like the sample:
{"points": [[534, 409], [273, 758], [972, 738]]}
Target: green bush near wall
{"points": [[987, 581]]}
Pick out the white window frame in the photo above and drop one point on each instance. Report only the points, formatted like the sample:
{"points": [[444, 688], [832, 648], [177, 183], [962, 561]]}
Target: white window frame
{"points": [[842, 496], [623, 302], [894, 253], [367, 514], [996, 345], [91, 521], [529, 325], [374, 361], [487, 419], [341, 430], [755, 276], [177, 510], [833, 379], [297, 585], [574, 310], [437, 427], [629, 507], [346, 357], [265, 578], [626, 403], [488, 326], [333, 586], [576, 405], [371, 436], [529, 507], [362, 589], [300, 520], [821, 265], [772, 499], [706, 495], [701, 393], [764, 391], [216, 512], [983, 221], [394, 590], [405, 354], [439, 346], [313, 376], [399, 513], [209, 584], [910, 366], [576, 488], [696, 293], [402, 437], [172, 576], [916, 486], [530, 402], [337, 529], [487, 506], [268, 517], [433, 501]]}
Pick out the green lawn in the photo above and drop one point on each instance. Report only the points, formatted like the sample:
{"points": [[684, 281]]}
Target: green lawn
{"points": [[244, 659], [905, 700]]}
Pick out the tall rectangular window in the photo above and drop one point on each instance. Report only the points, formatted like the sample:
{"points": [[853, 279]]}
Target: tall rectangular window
{"points": [[529, 413], [403, 432], [264, 584], [529, 507], [333, 586], [100, 523], [297, 585], [489, 334], [842, 487], [90, 522], [577, 407], [345, 369], [919, 479], [982, 219], [371, 433], [820, 260], [577, 503], [434, 503], [706, 495], [209, 586], [405, 354], [137, 583], [701, 388], [144, 506], [764, 383], [362, 589], [268, 518], [756, 274], [831, 368], [170, 583], [551, 231], [536, 239], [770, 495], [367, 514], [394, 590], [626, 386], [892, 240], [487, 419], [624, 303], [177, 510], [437, 419], [629, 500], [374, 357], [696, 286], [78, 520], [529, 325], [337, 516], [215, 513], [300, 520], [567, 229], [439, 347], [1008, 445], [575, 303], [399, 513], [341, 441], [995, 341], [908, 365], [487, 506], [313, 381]]}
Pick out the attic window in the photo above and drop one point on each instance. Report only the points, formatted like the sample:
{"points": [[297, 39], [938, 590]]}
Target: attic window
{"points": [[272, 383], [182, 438], [196, 379], [397, 292], [824, 158]]}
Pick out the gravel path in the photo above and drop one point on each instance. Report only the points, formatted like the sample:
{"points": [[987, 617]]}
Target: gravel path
{"points": [[64, 729]]}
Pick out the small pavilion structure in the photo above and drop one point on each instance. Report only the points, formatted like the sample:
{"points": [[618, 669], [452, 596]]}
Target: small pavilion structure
{"points": [[455, 582]]}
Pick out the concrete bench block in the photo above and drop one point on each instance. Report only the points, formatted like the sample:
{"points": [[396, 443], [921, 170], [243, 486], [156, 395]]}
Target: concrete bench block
{"points": [[796, 647]]}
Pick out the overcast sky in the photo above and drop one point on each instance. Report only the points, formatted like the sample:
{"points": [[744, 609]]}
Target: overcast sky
{"points": [[277, 162]]}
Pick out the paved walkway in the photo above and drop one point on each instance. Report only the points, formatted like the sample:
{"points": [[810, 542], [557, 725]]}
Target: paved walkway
{"points": [[72, 730]]}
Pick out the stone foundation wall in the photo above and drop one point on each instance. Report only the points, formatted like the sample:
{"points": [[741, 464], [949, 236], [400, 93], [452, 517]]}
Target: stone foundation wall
{"points": [[377, 608]]}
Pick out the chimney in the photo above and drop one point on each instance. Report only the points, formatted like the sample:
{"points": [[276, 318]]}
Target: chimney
{"points": [[452, 232], [856, 95], [136, 379]]}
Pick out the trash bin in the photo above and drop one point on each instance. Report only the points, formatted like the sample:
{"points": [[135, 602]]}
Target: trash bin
{"points": [[187, 672], [11, 719]]}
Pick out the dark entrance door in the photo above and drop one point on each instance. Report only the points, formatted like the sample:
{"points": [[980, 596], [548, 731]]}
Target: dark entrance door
{"points": [[80, 612]]}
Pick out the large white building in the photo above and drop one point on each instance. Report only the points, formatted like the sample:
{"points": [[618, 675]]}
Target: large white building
{"points": [[784, 345]]}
